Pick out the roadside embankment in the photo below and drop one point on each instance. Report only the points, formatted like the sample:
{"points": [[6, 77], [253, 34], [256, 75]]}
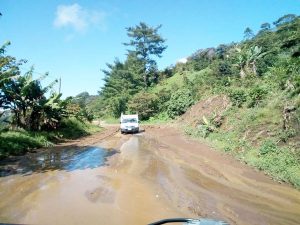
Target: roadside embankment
{"points": [[20, 141], [252, 135]]}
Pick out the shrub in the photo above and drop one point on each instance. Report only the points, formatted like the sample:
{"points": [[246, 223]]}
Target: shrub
{"points": [[160, 118], [203, 130], [222, 68], [17, 143], [256, 95], [179, 102], [145, 104], [238, 97], [163, 97], [72, 128], [267, 147], [282, 164], [284, 135]]}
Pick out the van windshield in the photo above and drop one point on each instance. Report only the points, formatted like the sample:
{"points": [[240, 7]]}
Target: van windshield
{"points": [[129, 120]]}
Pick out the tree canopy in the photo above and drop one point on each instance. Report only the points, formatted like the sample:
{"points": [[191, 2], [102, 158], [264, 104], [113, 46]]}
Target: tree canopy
{"points": [[146, 43], [125, 79]]}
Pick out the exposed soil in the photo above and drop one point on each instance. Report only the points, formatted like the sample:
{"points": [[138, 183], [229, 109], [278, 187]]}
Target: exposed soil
{"points": [[157, 174], [214, 105]]}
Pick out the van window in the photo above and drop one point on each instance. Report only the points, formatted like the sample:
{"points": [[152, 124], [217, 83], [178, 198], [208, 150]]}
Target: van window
{"points": [[129, 120]]}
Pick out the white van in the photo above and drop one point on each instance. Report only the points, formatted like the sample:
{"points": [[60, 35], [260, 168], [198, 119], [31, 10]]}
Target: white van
{"points": [[129, 123]]}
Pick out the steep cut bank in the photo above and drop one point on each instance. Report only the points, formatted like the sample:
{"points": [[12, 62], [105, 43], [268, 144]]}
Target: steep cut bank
{"points": [[213, 106]]}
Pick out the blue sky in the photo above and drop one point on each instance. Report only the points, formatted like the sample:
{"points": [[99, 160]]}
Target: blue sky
{"points": [[75, 39]]}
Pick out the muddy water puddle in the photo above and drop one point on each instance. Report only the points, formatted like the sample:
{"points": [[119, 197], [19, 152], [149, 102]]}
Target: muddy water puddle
{"points": [[61, 159], [74, 187]]}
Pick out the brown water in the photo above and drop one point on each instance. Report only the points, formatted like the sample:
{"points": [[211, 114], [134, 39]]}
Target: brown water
{"points": [[154, 176], [74, 189]]}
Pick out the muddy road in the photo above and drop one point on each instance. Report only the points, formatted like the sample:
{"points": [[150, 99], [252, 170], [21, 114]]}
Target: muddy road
{"points": [[116, 179]]}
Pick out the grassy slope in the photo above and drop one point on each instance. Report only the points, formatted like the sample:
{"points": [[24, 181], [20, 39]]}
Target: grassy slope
{"points": [[177, 80]]}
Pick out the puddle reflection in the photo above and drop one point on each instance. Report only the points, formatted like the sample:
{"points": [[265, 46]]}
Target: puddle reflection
{"points": [[66, 159]]}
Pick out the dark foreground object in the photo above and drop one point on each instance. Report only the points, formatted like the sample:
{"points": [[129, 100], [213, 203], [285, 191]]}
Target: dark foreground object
{"points": [[190, 221]]}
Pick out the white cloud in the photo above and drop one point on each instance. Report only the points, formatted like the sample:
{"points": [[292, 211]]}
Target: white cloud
{"points": [[78, 18], [182, 60]]}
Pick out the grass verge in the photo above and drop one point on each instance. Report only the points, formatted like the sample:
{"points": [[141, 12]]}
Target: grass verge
{"points": [[20, 141]]}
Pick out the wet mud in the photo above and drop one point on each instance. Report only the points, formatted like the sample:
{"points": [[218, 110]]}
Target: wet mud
{"points": [[138, 179]]}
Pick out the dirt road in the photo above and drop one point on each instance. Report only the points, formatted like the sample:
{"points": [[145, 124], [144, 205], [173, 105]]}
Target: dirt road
{"points": [[156, 174]]}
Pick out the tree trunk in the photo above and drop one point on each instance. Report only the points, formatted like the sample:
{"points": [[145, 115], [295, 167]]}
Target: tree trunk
{"points": [[286, 114], [242, 73], [254, 69], [145, 80]]}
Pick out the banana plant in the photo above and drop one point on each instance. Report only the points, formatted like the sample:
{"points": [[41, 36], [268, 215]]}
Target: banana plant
{"points": [[247, 59], [208, 123]]}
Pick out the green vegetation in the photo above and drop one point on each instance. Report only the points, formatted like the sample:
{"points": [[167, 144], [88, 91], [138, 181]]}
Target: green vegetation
{"points": [[123, 80], [20, 141], [161, 118], [29, 119], [145, 103], [146, 43], [179, 102], [260, 75]]}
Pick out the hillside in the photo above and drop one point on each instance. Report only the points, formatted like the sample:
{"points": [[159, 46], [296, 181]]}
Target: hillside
{"points": [[243, 98]]}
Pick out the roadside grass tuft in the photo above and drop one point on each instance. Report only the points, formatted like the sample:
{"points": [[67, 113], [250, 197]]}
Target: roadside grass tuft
{"points": [[18, 142], [161, 118], [281, 163], [72, 128]]}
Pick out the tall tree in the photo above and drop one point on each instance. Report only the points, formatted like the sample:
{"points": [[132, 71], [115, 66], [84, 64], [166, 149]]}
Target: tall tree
{"points": [[290, 36], [285, 19], [9, 66], [248, 34], [81, 99], [122, 80], [146, 43], [265, 27]]}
